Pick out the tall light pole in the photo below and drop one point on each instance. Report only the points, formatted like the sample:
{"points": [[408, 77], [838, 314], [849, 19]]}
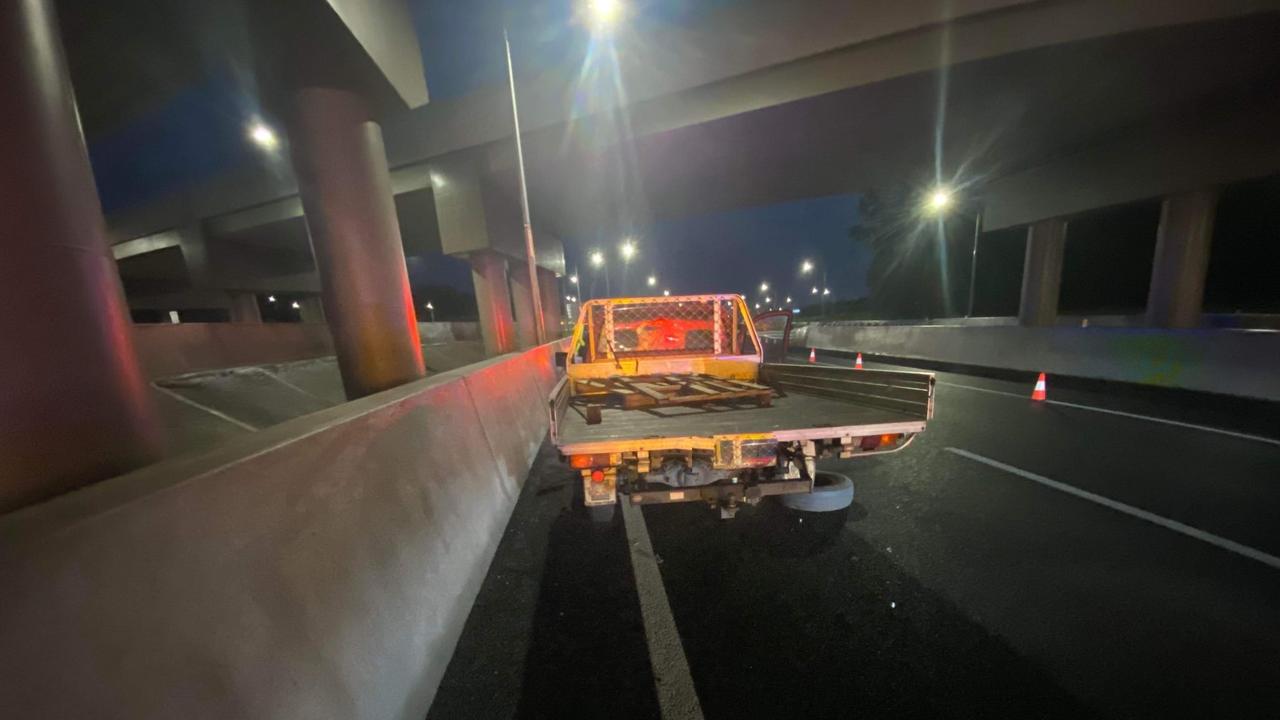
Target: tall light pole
{"points": [[530, 256], [973, 261]]}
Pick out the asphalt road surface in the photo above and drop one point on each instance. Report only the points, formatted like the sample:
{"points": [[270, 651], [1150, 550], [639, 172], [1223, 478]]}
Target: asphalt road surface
{"points": [[1113, 553]]}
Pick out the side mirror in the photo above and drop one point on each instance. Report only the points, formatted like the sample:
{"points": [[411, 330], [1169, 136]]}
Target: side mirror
{"points": [[562, 359]]}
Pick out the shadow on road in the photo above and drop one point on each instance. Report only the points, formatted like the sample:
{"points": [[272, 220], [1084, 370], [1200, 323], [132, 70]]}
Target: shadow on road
{"points": [[556, 630], [587, 655], [788, 614]]}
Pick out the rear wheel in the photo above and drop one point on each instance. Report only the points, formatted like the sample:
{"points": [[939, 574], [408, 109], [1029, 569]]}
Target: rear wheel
{"points": [[831, 492]]}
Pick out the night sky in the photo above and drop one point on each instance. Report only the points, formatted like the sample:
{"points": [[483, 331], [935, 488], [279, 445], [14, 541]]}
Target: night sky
{"points": [[198, 133], [736, 251]]}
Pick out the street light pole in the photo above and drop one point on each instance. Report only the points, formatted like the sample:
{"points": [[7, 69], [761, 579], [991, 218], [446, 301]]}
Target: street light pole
{"points": [[973, 261], [530, 256]]}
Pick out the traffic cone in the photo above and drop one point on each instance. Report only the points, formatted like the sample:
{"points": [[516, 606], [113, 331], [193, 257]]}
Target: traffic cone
{"points": [[813, 356], [857, 363], [1038, 393]]}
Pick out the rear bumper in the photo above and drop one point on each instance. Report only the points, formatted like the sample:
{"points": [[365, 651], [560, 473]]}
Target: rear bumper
{"points": [[719, 494]]}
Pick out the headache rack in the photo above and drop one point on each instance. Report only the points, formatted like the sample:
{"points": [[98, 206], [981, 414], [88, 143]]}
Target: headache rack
{"points": [[624, 328]]}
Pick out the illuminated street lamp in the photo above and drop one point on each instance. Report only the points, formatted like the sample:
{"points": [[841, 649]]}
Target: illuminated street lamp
{"points": [[652, 281], [764, 286], [813, 291], [597, 259], [271, 298], [826, 291], [431, 310], [263, 136], [573, 279], [604, 14], [806, 267], [939, 200], [666, 293], [788, 299], [628, 249], [768, 299], [295, 305]]}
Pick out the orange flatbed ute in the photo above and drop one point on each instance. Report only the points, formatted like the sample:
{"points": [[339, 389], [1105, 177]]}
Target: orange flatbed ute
{"points": [[671, 399]]}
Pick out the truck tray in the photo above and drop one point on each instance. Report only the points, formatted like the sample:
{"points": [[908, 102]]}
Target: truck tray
{"points": [[651, 391]]}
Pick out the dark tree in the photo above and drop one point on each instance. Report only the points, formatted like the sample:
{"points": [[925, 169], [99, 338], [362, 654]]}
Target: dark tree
{"points": [[919, 266]]}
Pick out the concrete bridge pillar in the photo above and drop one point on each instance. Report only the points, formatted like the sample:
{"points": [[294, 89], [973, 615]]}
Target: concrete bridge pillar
{"points": [[1042, 272], [552, 303], [312, 310], [1176, 297], [522, 300], [74, 407], [493, 301], [341, 165], [244, 308]]}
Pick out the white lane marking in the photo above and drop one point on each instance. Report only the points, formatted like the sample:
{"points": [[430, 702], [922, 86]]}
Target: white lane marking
{"points": [[1174, 525], [293, 387], [218, 414], [677, 698], [1148, 418]]}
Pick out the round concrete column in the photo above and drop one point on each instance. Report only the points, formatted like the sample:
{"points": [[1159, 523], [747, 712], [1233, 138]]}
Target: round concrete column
{"points": [[522, 300], [1176, 296], [345, 185], [493, 302], [1042, 272], [73, 404], [552, 303]]}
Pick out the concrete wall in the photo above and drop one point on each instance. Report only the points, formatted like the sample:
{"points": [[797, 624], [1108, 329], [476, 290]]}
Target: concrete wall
{"points": [[438, 332], [1232, 362], [321, 568], [167, 350]]}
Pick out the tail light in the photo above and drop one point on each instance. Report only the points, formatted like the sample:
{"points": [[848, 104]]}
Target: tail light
{"points": [[872, 442], [582, 462]]}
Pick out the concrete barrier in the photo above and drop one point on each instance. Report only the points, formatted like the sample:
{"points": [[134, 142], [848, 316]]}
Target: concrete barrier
{"points": [[322, 567], [1231, 362]]}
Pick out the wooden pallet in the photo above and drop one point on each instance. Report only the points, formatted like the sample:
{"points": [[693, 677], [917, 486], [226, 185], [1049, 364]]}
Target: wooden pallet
{"points": [[652, 391]]}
